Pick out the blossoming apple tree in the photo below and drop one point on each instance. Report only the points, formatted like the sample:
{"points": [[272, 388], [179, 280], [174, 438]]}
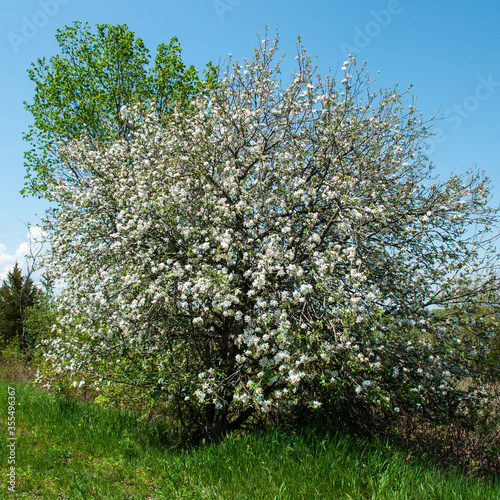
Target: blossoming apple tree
{"points": [[271, 245]]}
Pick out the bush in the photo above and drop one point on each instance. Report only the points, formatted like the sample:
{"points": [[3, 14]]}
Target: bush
{"points": [[270, 247], [14, 366]]}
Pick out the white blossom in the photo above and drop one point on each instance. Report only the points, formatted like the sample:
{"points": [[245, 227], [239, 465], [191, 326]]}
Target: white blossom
{"points": [[249, 239]]}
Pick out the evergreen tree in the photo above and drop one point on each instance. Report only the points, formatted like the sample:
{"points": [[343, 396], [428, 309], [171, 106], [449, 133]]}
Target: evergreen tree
{"points": [[17, 293]]}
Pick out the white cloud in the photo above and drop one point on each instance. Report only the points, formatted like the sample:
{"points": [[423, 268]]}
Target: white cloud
{"points": [[7, 261], [32, 245]]}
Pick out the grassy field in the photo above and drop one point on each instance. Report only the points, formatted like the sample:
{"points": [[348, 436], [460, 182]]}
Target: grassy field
{"points": [[76, 450]]}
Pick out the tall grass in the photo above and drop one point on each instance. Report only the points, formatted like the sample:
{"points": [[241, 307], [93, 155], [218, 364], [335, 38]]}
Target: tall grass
{"points": [[76, 450]]}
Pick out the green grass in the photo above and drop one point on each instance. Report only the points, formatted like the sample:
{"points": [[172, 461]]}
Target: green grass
{"points": [[75, 450]]}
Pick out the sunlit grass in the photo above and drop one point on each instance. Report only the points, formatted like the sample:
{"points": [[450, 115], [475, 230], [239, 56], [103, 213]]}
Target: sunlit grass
{"points": [[76, 450]]}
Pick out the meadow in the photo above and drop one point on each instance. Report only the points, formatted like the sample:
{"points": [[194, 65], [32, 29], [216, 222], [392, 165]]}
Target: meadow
{"points": [[72, 449]]}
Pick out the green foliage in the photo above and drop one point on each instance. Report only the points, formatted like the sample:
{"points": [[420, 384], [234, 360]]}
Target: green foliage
{"points": [[17, 294], [40, 318], [13, 366], [82, 90]]}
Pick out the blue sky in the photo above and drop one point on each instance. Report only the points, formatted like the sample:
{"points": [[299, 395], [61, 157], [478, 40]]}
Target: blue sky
{"points": [[449, 51]]}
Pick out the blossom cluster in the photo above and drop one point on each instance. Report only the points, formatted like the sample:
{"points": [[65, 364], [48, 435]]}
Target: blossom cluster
{"points": [[267, 239]]}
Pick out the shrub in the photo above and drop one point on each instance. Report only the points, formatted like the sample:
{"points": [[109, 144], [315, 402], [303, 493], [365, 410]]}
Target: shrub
{"points": [[270, 246]]}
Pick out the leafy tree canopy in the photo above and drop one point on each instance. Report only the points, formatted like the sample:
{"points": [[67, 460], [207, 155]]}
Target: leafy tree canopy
{"points": [[82, 89]]}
